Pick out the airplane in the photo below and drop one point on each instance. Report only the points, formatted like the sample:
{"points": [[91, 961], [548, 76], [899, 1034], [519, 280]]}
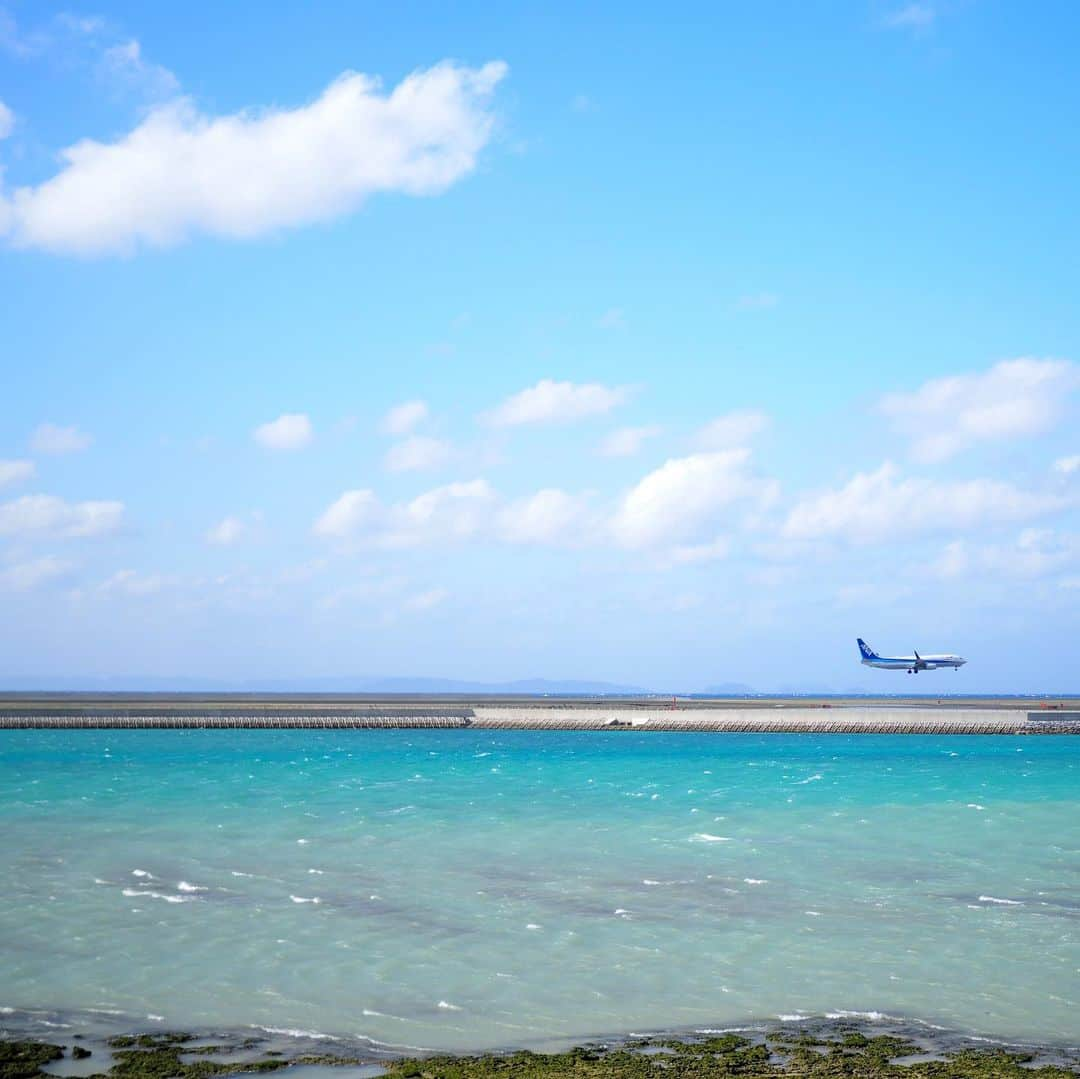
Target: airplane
{"points": [[911, 664]]}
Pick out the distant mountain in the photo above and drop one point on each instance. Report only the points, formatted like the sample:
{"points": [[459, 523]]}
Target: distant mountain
{"points": [[729, 689]]}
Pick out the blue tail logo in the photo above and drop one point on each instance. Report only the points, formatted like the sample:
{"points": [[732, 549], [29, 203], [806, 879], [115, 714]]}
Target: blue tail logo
{"points": [[867, 652]]}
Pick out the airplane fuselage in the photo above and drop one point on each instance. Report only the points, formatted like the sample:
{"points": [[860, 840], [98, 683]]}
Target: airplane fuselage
{"points": [[912, 664], [907, 663]]}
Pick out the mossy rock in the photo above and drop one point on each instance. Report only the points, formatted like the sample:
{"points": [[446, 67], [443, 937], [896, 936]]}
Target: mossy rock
{"points": [[23, 1059]]}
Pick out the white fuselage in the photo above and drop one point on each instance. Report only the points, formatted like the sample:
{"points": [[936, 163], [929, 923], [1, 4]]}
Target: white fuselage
{"points": [[914, 663]]}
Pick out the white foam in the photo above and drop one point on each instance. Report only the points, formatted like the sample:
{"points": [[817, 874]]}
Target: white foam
{"points": [[98, 880], [303, 841], [797, 1017], [156, 1018], [142, 894], [533, 925], [446, 1005], [800, 782], [813, 913], [706, 837], [1003, 902], [317, 871], [842, 1013], [142, 873], [291, 1032], [301, 899], [753, 880], [974, 805], [183, 886], [237, 873]]}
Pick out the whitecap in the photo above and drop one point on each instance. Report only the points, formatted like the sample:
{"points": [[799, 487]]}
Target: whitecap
{"points": [[291, 1032], [533, 925], [800, 782], [974, 805], [446, 1005], [797, 1017], [142, 873], [845, 1014], [813, 913], [319, 872], [301, 899], [753, 880], [303, 841], [237, 873], [156, 1018], [706, 837], [141, 894], [1003, 902], [183, 886]]}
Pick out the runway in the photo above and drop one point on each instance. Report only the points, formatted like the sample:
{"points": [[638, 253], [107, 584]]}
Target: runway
{"points": [[910, 715]]}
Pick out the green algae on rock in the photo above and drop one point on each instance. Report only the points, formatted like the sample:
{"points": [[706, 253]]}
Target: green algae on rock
{"points": [[781, 1054]]}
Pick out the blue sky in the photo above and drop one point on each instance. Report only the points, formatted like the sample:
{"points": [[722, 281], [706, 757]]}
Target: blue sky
{"points": [[665, 346]]}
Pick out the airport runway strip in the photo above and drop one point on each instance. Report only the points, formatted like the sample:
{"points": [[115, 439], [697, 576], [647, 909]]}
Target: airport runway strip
{"points": [[779, 715]]}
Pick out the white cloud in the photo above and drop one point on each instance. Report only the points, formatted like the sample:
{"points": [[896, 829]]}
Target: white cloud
{"points": [[549, 516], [425, 601], [129, 582], [446, 514], [877, 506], [915, 16], [683, 495], [417, 454], [26, 576], [731, 430], [401, 419], [626, 441], [7, 121], [1011, 399], [452, 513], [290, 431], [226, 532], [15, 472], [347, 515], [1036, 552], [49, 438], [697, 553], [46, 515], [1066, 466], [556, 402], [125, 65], [181, 172]]}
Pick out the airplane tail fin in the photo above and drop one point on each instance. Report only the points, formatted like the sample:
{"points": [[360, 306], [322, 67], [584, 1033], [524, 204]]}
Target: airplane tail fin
{"points": [[866, 650]]}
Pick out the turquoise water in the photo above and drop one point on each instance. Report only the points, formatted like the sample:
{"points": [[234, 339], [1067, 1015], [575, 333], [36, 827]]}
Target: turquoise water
{"points": [[462, 889]]}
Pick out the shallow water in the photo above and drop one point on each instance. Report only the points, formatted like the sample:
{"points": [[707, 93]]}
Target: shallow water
{"points": [[465, 889]]}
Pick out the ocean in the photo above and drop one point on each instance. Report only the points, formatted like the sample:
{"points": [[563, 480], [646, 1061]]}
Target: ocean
{"points": [[456, 889]]}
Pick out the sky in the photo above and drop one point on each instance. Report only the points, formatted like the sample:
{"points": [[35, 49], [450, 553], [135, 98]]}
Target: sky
{"points": [[670, 346]]}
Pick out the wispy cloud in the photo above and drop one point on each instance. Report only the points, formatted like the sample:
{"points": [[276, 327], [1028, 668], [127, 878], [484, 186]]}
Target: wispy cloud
{"points": [[1014, 398], [403, 418], [46, 516], [12, 472], [883, 505], [914, 16], [556, 402], [53, 439], [627, 441]]}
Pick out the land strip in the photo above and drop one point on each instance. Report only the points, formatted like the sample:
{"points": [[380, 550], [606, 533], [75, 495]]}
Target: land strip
{"points": [[781, 715]]}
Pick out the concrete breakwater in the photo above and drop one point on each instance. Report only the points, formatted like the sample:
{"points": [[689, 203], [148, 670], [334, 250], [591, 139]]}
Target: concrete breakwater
{"points": [[538, 716]]}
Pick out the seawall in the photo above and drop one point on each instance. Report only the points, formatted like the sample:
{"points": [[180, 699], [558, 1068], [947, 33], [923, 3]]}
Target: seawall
{"points": [[697, 716]]}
